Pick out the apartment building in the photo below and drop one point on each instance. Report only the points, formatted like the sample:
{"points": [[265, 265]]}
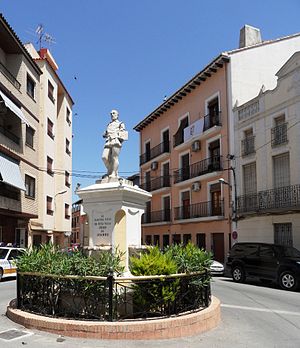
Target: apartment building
{"points": [[267, 142], [19, 137], [187, 145], [54, 155], [79, 219], [35, 145]]}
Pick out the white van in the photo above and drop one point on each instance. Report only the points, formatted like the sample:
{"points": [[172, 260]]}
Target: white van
{"points": [[8, 266]]}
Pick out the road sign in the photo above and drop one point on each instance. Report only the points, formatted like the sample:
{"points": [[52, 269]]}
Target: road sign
{"points": [[234, 234]]}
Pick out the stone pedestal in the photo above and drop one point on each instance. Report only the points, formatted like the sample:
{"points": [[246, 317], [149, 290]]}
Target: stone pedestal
{"points": [[114, 208]]}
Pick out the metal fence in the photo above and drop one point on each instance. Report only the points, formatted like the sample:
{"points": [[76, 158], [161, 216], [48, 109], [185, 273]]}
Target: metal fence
{"points": [[113, 298]]}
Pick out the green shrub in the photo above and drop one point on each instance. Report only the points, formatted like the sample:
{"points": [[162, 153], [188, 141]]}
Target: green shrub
{"points": [[189, 258], [48, 259]]}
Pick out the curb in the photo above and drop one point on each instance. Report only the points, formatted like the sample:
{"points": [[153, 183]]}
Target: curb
{"points": [[185, 325]]}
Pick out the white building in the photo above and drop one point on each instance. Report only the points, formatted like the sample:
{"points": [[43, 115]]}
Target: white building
{"points": [[54, 155], [267, 144]]}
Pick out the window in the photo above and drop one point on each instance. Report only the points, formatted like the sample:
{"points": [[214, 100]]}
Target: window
{"points": [[67, 211], [156, 240], [249, 172], [51, 92], [30, 86], [179, 135], [187, 238], [281, 170], [50, 129], [200, 239], [266, 251], [283, 234], [29, 136], [67, 179], [50, 165], [176, 238], [213, 117], [68, 114], [68, 147], [30, 186], [49, 205], [148, 239], [216, 201], [248, 145], [279, 132]]}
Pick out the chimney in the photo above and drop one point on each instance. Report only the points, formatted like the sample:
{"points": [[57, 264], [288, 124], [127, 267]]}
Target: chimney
{"points": [[249, 36]]}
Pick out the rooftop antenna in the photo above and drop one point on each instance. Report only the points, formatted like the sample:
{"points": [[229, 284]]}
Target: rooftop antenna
{"points": [[42, 36]]}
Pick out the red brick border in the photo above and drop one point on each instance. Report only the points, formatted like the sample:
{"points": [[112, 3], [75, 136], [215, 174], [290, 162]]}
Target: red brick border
{"points": [[185, 325]]}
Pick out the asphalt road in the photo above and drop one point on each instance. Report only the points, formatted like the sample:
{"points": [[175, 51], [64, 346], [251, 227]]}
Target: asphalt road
{"points": [[253, 315]]}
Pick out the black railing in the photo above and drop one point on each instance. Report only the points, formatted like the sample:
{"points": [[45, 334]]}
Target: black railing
{"points": [[156, 184], [279, 134], [248, 145], [198, 210], [281, 198], [112, 298], [208, 165], [157, 216], [211, 120], [9, 76], [157, 150], [10, 135]]}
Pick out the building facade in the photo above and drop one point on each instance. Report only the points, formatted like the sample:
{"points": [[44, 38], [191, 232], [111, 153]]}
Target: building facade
{"points": [[19, 137], [267, 144], [54, 155], [187, 146], [35, 145], [79, 220]]}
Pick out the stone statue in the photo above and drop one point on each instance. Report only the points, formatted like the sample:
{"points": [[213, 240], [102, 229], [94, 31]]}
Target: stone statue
{"points": [[115, 134]]}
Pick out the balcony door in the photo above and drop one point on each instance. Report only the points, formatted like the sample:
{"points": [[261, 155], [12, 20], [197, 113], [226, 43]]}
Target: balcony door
{"points": [[166, 208], [218, 246], [166, 174], [185, 203], [213, 111], [214, 154], [216, 202], [148, 181], [148, 151], [185, 166], [166, 141]]}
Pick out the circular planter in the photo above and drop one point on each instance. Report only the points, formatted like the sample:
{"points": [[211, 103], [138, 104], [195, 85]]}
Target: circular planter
{"points": [[180, 326]]}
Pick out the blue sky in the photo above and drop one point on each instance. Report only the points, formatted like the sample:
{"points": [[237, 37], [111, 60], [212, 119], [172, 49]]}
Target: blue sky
{"points": [[129, 54]]}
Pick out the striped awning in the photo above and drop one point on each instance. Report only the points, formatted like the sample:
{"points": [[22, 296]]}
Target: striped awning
{"points": [[13, 107], [10, 173]]}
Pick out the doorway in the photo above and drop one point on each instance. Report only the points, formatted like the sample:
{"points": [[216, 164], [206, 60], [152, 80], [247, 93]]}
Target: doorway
{"points": [[218, 246]]}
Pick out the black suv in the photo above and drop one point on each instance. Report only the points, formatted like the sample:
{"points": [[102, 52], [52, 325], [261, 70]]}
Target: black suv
{"points": [[264, 261]]}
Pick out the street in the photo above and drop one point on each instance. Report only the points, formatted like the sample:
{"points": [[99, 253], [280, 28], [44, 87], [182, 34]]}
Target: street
{"points": [[253, 315]]}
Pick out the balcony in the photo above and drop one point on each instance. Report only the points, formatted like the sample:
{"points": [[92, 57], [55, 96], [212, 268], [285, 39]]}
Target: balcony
{"points": [[279, 199], [10, 76], [248, 145], [9, 135], [212, 120], [156, 151], [199, 210], [156, 184], [157, 216], [208, 165], [279, 135]]}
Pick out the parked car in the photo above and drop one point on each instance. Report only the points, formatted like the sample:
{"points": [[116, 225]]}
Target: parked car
{"points": [[217, 268], [8, 256], [265, 261]]}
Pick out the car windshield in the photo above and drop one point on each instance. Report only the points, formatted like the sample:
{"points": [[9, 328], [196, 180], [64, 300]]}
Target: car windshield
{"points": [[291, 252], [3, 253]]}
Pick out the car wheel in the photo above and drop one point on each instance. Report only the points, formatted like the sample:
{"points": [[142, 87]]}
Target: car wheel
{"points": [[287, 280], [1, 274], [238, 274]]}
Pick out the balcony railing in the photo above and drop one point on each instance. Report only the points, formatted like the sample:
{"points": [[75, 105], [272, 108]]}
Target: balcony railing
{"points": [[9, 76], [208, 165], [155, 152], [281, 198], [279, 134], [157, 216], [212, 120], [9, 192], [9, 135], [248, 145], [156, 184], [199, 210]]}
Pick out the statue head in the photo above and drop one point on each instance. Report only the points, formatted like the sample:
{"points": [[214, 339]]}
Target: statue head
{"points": [[114, 115]]}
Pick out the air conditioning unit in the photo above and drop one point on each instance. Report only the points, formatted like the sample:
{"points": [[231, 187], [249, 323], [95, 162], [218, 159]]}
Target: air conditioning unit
{"points": [[196, 186], [196, 146], [154, 165]]}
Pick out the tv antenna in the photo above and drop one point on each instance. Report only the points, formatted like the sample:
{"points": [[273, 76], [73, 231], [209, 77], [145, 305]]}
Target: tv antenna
{"points": [[42, 36]]}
